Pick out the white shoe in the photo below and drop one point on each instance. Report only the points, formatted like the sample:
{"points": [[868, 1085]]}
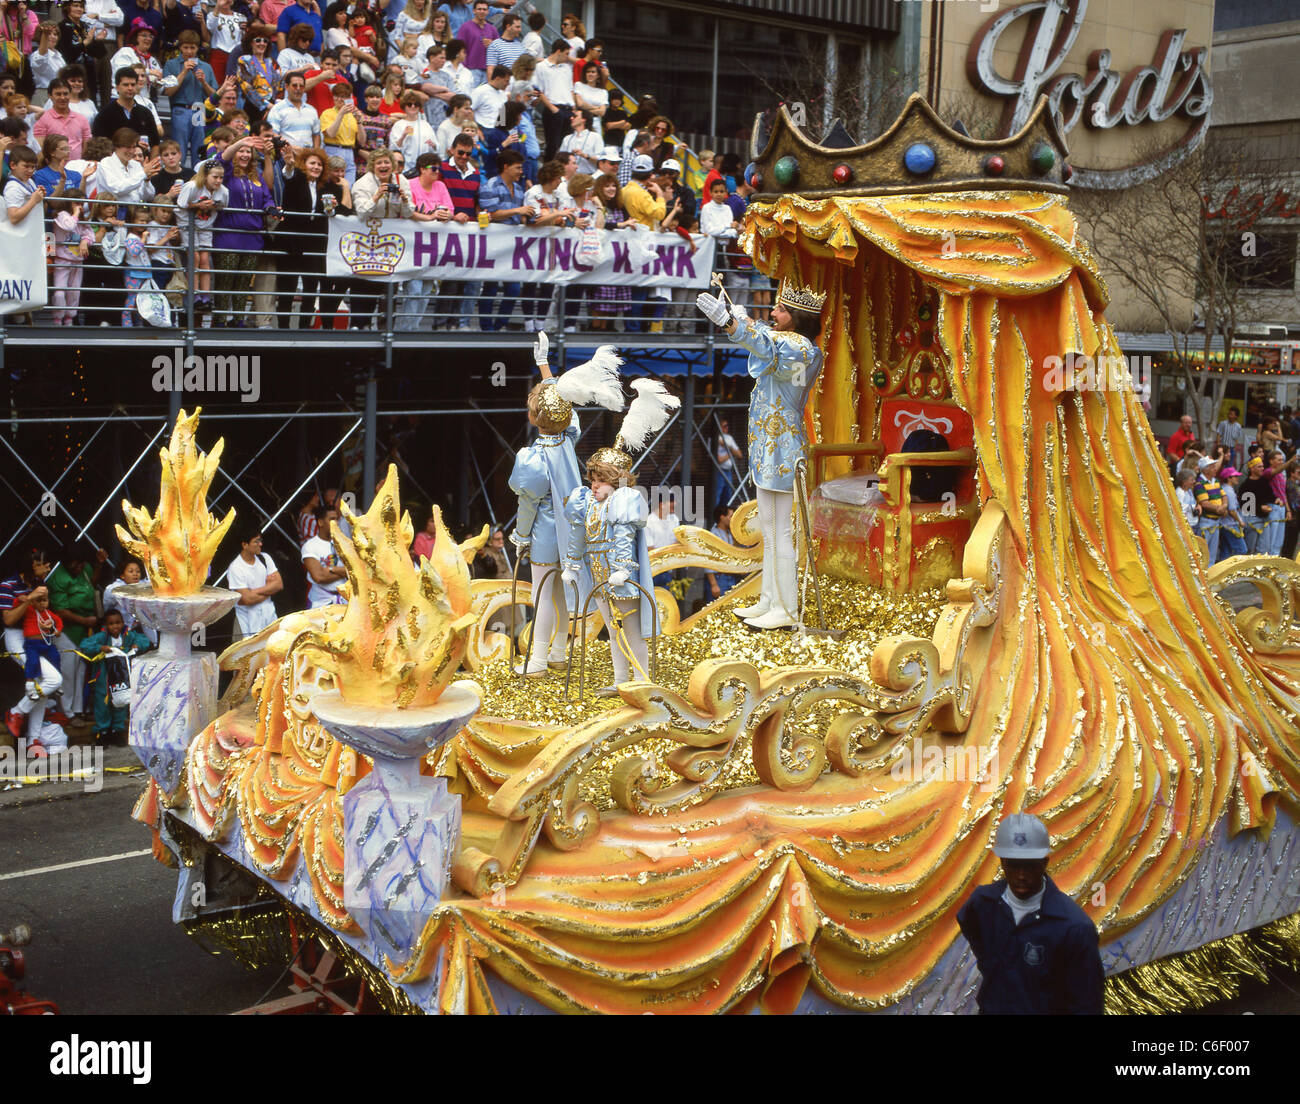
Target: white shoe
{"points": [[756, 610], [775, 618], [532, 670]]}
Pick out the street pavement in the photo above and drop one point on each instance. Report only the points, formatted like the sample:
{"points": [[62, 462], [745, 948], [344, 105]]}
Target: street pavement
{"points": [[103, 941]]}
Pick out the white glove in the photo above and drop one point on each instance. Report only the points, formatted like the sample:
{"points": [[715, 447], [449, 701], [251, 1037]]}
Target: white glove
{"points": [[713, 308], [738, 313], [541, 349], [569, 577], [518, 541], [617, 578]]}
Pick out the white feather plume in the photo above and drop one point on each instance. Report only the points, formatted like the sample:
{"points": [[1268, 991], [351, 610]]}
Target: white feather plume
{"points": [[648, 414], [595, 383]]}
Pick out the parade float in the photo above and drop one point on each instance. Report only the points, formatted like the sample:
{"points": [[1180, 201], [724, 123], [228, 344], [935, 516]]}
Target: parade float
{"points": [[1018, 620]]}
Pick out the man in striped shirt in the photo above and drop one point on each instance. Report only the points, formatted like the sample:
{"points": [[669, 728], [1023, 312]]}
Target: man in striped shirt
{"points": [[463, 182], [506, 49]]}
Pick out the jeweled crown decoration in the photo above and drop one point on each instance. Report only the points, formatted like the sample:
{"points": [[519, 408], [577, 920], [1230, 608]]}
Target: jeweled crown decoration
{"points": [[919, 153], [372, 253], [800, 298]]}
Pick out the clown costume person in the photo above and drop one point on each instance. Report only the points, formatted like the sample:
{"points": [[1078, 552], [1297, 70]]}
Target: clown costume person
{"points": [[784, 361], [607, 534], [546, 472]]}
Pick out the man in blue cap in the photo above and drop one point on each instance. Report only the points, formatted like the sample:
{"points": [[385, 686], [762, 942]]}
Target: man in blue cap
{"points": [[1036, 949]]}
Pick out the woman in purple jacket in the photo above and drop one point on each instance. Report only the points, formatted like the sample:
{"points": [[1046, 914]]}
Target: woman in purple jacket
{"points": [[238, 236]]}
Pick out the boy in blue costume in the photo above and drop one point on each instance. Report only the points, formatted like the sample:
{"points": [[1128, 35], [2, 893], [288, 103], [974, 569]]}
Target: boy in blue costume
{"points": [[546, 472], [607, 534]]}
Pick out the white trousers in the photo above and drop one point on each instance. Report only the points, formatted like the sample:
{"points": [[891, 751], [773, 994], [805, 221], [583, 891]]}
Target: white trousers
{"points": [[780, 587], [550, 620], [37, 698], [629, 639], [74, 675]]}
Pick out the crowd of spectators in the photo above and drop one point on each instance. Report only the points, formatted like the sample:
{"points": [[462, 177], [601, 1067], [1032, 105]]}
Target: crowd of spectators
{"points": [[164, 138], [1240, 490]]}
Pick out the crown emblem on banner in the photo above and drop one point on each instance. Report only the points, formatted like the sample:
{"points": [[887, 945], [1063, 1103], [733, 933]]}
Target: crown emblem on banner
{"points": [[919, 153], [372, 253]]}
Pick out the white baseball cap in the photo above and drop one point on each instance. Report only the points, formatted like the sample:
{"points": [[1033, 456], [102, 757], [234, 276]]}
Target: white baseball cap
{"points": [[671, 165], [1022, 836], [642, 163], [611, 153]]}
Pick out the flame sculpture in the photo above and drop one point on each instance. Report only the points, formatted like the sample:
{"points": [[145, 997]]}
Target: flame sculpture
{"points": [[177, 543], [406, 628]]}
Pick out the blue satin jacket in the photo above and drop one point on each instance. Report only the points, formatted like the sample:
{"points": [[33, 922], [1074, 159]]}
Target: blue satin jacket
{"points": [[785, 367], [546, 472], [609, 536]]}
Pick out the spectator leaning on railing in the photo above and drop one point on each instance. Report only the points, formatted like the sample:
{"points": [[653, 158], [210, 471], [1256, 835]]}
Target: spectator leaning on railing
{"points": [[503, 198]]}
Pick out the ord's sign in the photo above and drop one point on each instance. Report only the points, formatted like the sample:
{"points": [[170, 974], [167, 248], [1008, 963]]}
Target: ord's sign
{"points": [[1176, 83]]}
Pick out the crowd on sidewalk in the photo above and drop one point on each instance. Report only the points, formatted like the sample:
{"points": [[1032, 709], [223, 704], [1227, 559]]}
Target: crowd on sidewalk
{"points": [[1240, 491]]}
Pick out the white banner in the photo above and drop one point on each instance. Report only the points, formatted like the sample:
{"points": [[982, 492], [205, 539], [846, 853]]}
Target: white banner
{"points": [[392, 250], [22, 264]]}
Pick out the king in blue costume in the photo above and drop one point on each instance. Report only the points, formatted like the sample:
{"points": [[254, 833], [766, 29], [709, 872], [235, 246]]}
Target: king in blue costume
{"points": [[784, 361]]}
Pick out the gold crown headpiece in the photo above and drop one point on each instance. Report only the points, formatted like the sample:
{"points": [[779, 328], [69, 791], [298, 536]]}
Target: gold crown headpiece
{"points": [[918, 153], [553, 406], [614, 456], [801, 299]]}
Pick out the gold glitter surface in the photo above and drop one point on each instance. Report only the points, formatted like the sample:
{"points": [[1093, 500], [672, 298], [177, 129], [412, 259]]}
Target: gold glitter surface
{"points": [[866, 613]]}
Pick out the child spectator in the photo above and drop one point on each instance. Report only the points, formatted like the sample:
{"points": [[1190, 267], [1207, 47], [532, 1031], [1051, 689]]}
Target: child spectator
{"points": [[102, 282], [460, 113], [110, 720], [21, 195], [201, 200], [41, 629], [72, 238], [195, 81], [408, 61], [166, 182], [137, 267]]}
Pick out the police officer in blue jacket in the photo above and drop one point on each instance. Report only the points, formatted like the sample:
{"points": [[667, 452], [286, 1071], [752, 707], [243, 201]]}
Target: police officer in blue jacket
{"points": [[1036, 949]]}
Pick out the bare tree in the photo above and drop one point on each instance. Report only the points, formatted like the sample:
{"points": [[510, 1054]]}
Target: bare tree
{"points": [[868, 93], [1177, 249]]}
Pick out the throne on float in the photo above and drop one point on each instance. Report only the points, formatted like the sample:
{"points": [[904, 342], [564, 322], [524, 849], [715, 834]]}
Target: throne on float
{"points": [[901, 517]]}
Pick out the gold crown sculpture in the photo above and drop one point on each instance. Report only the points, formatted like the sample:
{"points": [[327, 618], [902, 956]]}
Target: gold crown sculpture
{"points": [[919, 153], [794, 297]]}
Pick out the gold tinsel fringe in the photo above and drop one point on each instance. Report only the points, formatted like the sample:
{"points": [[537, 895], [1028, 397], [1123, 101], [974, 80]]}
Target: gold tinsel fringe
{"points": [[258, 935], [1207, 974]]}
